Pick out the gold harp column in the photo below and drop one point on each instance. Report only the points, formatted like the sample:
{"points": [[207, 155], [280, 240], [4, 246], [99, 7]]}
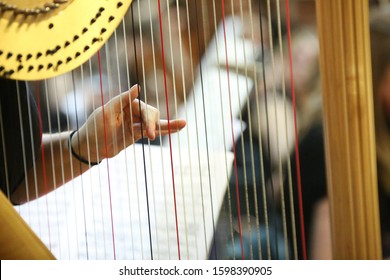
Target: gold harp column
{"points": [[17, 240], [345, 62]]}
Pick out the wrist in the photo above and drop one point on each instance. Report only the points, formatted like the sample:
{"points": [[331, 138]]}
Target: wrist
{"points": [[76, 149]]}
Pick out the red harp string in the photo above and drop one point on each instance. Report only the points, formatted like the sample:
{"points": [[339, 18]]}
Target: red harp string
{"points": [[299, 181], [239, 231]]}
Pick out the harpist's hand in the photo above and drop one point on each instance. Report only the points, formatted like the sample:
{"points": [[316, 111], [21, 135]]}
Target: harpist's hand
{"points": [[120, 123]]}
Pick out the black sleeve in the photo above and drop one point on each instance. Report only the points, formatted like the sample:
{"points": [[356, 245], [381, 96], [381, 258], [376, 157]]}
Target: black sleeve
{"points": [[20, 137]]}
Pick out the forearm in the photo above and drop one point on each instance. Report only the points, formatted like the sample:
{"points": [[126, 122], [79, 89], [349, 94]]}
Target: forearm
{"points": [[54, 167]]}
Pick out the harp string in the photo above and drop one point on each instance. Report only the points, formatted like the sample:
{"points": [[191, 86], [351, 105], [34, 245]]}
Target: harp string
{"points": [[84, 90], [8, 194], [286, 135], [100, 196], [36, 168], [55, 92], [205, 121], [23, 148], [187, 115], [158, 237], [135, 166], [111, 81], [299, 183], [51, 157], [256, 93], [229, 199], [106, 151], [276, 123], [236, 75], [68, 127], [123, 126], [32, 139], [269, 175], [244, 65], [268, 134], [23, 141], [252, 167], [203, 67], [152, 182], [175, 72], [232, 132], [169, 129], [145, 98], [197, 115], [176, 107], [215, 18], [79, 164], [51, 152]]}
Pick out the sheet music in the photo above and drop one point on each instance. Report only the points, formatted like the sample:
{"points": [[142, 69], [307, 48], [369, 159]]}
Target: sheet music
{"points": [[210, 118], [75, 221]]}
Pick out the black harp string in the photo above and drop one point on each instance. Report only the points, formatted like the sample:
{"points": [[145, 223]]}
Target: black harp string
{"points": [[203, 99], [142, 132], [145, 88], [151, 185]]}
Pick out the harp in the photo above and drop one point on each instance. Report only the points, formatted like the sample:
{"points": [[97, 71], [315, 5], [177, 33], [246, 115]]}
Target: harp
{"points": [[348, 122]]}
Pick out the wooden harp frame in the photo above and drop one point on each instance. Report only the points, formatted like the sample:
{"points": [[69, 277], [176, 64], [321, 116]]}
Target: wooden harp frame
{"points": [[345, 59], [343, 27]]}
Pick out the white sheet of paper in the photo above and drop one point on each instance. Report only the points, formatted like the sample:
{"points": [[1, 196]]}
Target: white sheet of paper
{"points": [[103, 214]]}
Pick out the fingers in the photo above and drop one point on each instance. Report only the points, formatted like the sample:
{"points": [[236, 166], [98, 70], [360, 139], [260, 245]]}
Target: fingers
{"points": [[148, 115], [124, 99], [151, 117], [164, 128], [172, 126], [142, 112]]}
